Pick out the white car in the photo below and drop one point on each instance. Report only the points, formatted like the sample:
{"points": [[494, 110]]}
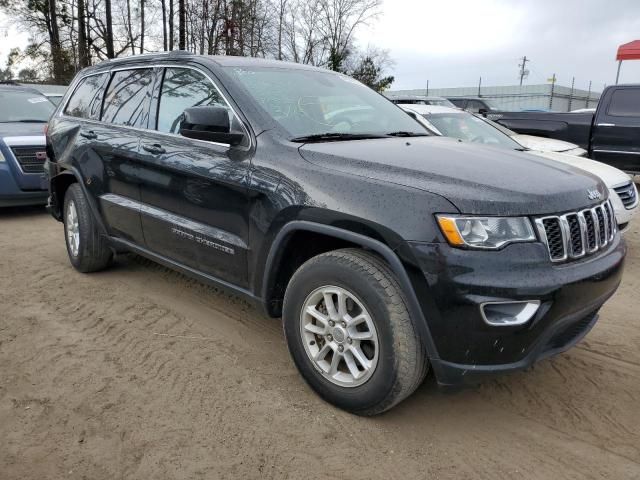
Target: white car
{"points": [[465, 126]]}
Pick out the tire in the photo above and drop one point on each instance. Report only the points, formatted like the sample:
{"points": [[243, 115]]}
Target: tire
{"points": [[88, 250], [394, 349]]}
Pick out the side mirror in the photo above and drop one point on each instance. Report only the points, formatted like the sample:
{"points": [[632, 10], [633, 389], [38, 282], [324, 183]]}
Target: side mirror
{"points": [[483, 111], [209, 123]]}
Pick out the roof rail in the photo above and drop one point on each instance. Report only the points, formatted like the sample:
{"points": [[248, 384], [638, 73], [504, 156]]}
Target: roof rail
{"points": [[152, 54]]}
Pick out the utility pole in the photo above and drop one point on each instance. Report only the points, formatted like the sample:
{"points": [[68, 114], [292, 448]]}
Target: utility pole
{"points": [[427, 94], [573, 81], [523, 68], [553, 86], [588, 95]]}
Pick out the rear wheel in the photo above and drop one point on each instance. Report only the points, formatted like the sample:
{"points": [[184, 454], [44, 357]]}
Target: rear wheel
{"points": [[350, 334], [88, 250]]}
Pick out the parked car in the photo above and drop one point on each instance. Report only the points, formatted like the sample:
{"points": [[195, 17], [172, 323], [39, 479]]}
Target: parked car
{"points": [[468, 127], [420, 100], [610, 135], [24, 112], [387, 251], [474, 104]]}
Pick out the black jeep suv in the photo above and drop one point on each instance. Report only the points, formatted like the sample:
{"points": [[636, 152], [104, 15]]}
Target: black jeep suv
{"points": [[385, 250]]}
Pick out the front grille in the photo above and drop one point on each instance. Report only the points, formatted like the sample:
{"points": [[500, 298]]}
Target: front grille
{"points": [[31, 159], [576, 234], [627, 194]]}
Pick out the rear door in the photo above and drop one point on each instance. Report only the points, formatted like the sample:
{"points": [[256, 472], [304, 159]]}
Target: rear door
{"points": [[194, 193], [616, 132]]}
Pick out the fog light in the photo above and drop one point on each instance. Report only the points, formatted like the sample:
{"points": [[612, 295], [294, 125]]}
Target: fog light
{"points": [[507, 314]]}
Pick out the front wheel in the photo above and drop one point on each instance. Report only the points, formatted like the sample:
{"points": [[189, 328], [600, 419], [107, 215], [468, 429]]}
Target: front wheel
{"points": [[350, 334]]}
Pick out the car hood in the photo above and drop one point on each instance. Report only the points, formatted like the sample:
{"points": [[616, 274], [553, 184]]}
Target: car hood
{"points": [[476, 179], [19, 129], [611, 176], [542, 144]]}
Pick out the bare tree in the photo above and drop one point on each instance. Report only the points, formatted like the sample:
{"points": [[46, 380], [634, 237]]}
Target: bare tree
{"points": [[182, 25]]}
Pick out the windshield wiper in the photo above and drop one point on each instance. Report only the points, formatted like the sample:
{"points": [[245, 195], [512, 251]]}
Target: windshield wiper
{"points": [[402, 133], [335, 137]]}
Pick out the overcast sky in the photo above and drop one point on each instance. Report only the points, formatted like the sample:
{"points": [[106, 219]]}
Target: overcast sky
{"points": [[453, 42]]}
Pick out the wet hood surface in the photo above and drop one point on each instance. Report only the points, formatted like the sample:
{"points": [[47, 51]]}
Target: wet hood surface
{"points": [[21, 129], [476, 179]]}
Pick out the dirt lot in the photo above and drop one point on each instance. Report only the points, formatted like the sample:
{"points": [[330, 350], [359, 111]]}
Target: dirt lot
{"points": [[139, 372]]}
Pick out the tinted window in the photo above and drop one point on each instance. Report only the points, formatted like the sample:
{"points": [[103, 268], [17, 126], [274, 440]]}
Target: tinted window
{"points": [[87, 97], [24, 106], [183, 88], [625, 103], [458, 102], [127, 98]]}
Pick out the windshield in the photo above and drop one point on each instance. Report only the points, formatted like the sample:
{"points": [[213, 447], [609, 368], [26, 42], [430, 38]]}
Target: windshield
{"points": [[308, 102], [467, 127], [21, 106], [442, 102]]}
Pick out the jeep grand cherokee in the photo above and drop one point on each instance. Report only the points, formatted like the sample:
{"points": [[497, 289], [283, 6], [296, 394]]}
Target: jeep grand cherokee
{"points": [[387, 251]]}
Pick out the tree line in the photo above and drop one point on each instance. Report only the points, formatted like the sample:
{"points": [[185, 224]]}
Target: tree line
{"points": [[68, 35]]}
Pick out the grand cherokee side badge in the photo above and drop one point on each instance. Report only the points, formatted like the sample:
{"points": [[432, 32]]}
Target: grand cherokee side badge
{"points": [[594, 195]]}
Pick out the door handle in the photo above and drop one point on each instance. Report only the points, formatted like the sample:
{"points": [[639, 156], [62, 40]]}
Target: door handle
{"points": [[605, 124], [154, 148], [89, 135]]}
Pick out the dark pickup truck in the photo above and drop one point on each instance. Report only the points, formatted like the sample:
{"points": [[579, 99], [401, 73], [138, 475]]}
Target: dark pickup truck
{"points": [[610, 135]]}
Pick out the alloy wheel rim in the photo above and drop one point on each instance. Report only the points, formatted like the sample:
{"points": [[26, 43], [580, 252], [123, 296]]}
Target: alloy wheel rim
{"points": [[339, 336], [73, 229]]}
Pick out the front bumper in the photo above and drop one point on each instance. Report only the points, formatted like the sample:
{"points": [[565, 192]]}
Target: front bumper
{"points": [[468, 349]]}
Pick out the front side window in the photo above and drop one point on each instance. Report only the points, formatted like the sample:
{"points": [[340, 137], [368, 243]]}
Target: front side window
{"points": [[127, 98], [87, 97], [625, 103], [312, 102], [183, 88], [24, 106]]}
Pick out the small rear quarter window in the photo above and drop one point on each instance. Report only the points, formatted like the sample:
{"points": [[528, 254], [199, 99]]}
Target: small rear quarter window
{"points": [[86, 100], [625, 103]]}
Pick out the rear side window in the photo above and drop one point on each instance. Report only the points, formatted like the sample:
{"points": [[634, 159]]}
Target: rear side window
{"points": [[457, 102], [183, 88], [87, 97], [127, 98], [625, 103]]}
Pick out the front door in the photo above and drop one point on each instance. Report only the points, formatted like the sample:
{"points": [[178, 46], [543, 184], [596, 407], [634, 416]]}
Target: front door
{"points": [[194, 193], [616, 130]]}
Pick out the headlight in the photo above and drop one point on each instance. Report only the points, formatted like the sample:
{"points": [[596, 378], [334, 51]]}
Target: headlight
{"points": [[485, 232]]}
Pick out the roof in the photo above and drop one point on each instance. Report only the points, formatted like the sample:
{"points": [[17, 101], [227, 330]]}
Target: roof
{"points": [[429, 109], [220, 60], [414, 97], [629, 51]]}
